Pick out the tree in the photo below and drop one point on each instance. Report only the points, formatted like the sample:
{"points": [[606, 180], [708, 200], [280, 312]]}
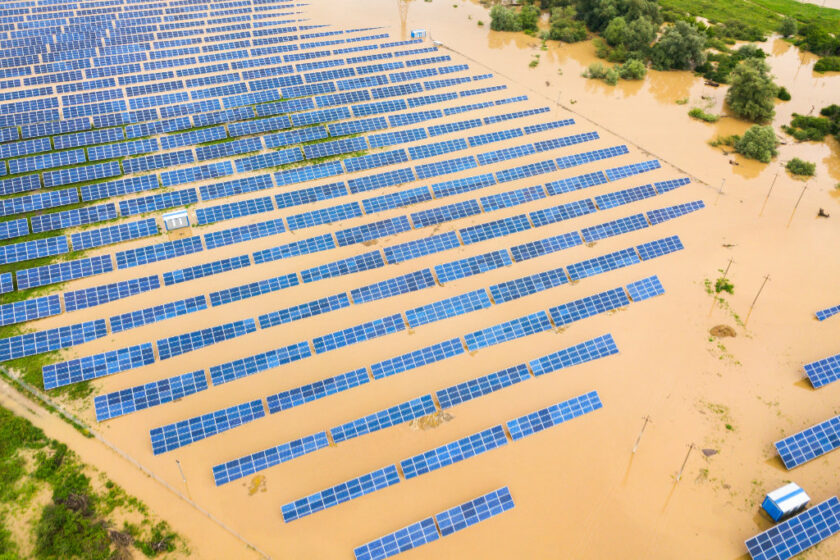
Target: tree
{"points": [[788, 27], [680, 47], [504, 19], [528, 18], [640, 34], [616, 31], [632, 70], [564, 27], [597, 14], [759, 142], [752, 91], [801, 167]]}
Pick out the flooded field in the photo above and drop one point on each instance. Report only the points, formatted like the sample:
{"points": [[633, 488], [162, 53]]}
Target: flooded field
{"points": [[713, 405]]}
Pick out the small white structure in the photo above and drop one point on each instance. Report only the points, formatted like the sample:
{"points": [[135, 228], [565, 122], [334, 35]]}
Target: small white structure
{"points": [[783, 502], [418, 33], [176, 220]]}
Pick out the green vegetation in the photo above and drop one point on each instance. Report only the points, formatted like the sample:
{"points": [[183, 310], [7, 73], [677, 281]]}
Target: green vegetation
{"points": [[77, 521], [723, 284], [564, 26], [804, 128], [508, 19], [630, 70], [681, 47], [828, 64], [783, 94], [758, 142], [719, 65], [801, 167], [788, 27], [753, 91], [698, 113]]}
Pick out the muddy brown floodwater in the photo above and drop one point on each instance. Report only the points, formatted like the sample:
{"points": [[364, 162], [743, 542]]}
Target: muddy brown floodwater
{"points": [[579, 491]]}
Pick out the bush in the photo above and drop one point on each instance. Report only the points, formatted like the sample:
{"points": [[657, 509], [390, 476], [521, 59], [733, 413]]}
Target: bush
{"points": [[504, 19], [759, 142], [804, 128], [564, 27], [699, 114], [828, 64], [753, 91], [801, 167], [611, 77], [680, 47], [63, 533], [596, 70], [528, 18], [783, 94], [788, 27], [724, 285], [633, 70]]}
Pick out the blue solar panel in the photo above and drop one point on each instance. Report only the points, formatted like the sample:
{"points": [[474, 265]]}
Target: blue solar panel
{"points": [[472, 265], [480, 386], [407, 538], [233, 210], [237, 186], [261, 460], [183, 343], [397, 137], [449, 307], [304, 310], [562, 212], [458, 186], [825, 371], [119, 187], [341, 493], [394, 286], [645, 289], [396, 200], [157, 313], [243, 233], [374, 230], [588, 306], [250, 365], [521, 287], [15, 228], [498, 228], [444, 167], [447, 213], [454, 452], [799, 533], [664, 214], [474, 511], [318, 390], [666, 186], [29, 310], [392, 416], [617, 173], [615, 227], [89, 297], [359, 333], [618, 198], [531, 129], [365, 261], [172, 436], [6, 283], [206, 269], [528, 170], [381, 180], [553, 415], [509, 330], [824, 314], [63, 271], [71, 218], [98, 365], [253, 289], [324, 216], [428, 355], [659, 247], [512, 198], [140, 397], [604, 263], [19, 184], [28, 250], [113, 234], [810, 443], [593, 349], [38, 201], [158, 252]]}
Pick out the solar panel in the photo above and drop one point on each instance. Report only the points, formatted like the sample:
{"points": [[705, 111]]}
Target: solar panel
{"points": [[523, 171], [659, 247], [824, 314], [593, 349], [665, 186], [553, 415], [603, 263], [29, 310], [38, 201], [63, 271], [480, 386], [359, 333], [206, 269], [395, 200], [509, 330], [14, 228], [113, 234], [237, 186], [98, 365], [458, 186], [72, 218], [428, 355], [527, 285], [472, 265], [474, 511], [253, 289], [351, 265], [178, 434], [407, 538], [589, 306], [303, 247], [36, 249], [449, 307], [825, 371], [141, 397], [304, 310], [233, 210], [799, 533], [428, 170], [562, 212], [324, 216], [664, 214], [645, 288], [261, 460], [157, 313], [394, 286], [381, 180], [341, 493], [810, 443], [398, 414], [183, 343], [512, 198], [158, 252], [617, 173], [99, 295], [454, 452], [6, 283], [626, 196], [243, 233], [318, 390], [447, 213], [498, 228]]}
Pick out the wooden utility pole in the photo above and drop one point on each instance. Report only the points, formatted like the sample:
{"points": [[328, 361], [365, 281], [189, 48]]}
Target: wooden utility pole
{"points": [[639, 438], [763, 206], [690, 449], [766, 278], [720, 191], [184, 478], [714, 294], [795, 206]]}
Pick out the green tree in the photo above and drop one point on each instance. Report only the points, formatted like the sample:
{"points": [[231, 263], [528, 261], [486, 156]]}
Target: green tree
{"points": [[633, 70], [615, 31], [528, 18], [504, 19], [788, 27], [680, 47], [752, 93], [759, 142], [597, 14], [564, 27], [801, 167]]}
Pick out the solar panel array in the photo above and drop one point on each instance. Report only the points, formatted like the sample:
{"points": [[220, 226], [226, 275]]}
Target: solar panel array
{"points": [[799, 533], [114, 127], [825, 371], [810, 443], [824, 314]]}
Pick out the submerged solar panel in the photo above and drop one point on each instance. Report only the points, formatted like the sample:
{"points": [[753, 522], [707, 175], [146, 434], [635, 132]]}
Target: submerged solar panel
{"points": [[359, 333], [593, 349], [604, 263], [261, 460], [825, 371], [449, 307], [98, 365], [824, 314], [664, 214], [551, 416], [33, 343], [140, 397], [645, 288], [472, 265], [365, 261], [253, 289], [527, 285], [480, 386], [588, 306], [509, 330], [318, 390], [428, 355], [172, 436], [89, 297], [304, 310], [659, 247], [157, 313], [548, 245], [407, 538], [799, 533], [474, 511], [809, 444], [421, 247], [388, 417], [159, 252], [454, 452], [183, 343], [206, 269], [63, 271]]}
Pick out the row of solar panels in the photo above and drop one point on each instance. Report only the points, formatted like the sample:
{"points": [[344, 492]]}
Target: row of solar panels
{"points": [[178, 434]]}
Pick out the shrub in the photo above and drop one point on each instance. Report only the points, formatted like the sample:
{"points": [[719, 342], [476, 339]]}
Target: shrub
{"points": [[699, 114], [64, 533], [759, 142], [801, 167], [753, 91], [595, 70], [564, 26], [828, 64], [633, 70], [788, 27], [611, 76], [528, 18], [724, 285], [504, 19], [680, 47], [783, 94], [803, 127]]}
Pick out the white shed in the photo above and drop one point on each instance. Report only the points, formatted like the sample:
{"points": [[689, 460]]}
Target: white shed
{"points": [[176, 220]]}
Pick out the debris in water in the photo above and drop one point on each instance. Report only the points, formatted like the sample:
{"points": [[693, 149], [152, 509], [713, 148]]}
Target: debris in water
{"points": [[710, 452], [431, 421], [257, 485], [722, 331]]}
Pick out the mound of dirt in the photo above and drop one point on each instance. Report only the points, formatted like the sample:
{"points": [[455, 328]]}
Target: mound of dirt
{"points": [[722, 331]]}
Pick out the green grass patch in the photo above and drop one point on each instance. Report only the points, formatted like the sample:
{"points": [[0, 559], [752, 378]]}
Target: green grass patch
{"points": [[699, 114]]}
